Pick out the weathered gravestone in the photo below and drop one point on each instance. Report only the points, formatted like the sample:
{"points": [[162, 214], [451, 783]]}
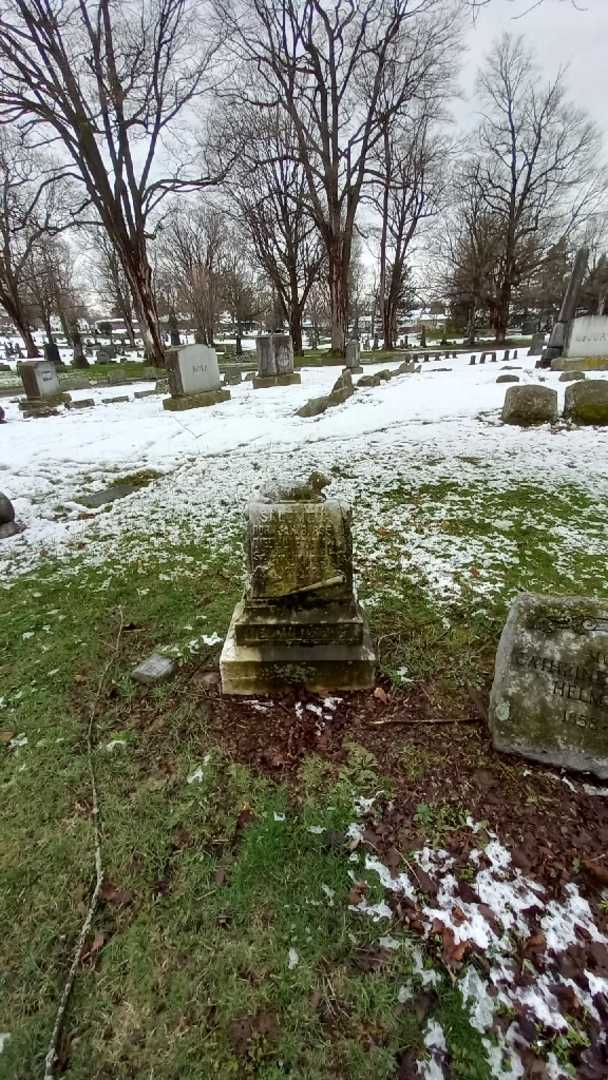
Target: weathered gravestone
{"points": [[194, 378], [105, 353], [353, 357], [41, 385], [528, 405], [586, 402], [51, 353], [537, 346], [299, 622], [275, 361], [549, 700]]}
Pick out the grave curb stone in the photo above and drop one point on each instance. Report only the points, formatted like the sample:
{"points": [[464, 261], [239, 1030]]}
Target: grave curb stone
{"points": [[529, 712], [83, 403], [288, 378]]}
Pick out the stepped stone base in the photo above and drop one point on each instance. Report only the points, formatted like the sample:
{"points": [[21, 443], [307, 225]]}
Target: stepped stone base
{"points": [[196, 401], [356, 370], [268, 666], [30, 405], [260, 382], [580, 363]]}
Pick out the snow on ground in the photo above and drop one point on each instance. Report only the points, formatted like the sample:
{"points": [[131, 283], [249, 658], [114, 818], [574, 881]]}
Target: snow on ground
{"points": [[420, 428]]}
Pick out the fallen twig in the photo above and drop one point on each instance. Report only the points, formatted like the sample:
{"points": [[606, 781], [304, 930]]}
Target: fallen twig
{"points": [[49, 1061], [420, 720]]}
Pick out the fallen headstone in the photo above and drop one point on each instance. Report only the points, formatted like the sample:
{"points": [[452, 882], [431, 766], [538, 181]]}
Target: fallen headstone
{"points": [[342, 389], [549, 700], [527, 405], [572, 376], [299, 622], [587, 402], [155, 668], [369, 380], [115, 400], [507, 378], [82, 403], [145, 393]]}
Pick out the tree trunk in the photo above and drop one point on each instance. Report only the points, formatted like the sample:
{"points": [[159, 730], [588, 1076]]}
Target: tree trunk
{"points": [[501, 313], [295, 329], [139, 274], [79, 359], [23, 329], [338, 299], [239, 339]]}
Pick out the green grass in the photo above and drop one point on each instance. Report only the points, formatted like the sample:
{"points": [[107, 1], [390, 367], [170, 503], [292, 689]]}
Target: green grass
{"points": [[207, 892]]}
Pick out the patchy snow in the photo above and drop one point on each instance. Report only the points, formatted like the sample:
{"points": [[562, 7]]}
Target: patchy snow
{"points": [[418, 429], [293, 959], [434, 1041]]}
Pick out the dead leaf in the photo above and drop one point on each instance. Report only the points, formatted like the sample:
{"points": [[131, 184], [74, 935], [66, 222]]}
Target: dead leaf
{"points": [[114, 895], [357, 892], [95, 946], [600, 873], [6, 736], [381, 695]]}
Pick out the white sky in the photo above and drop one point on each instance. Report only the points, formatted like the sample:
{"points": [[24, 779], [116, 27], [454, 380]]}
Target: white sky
{"points": [[559, 33]]}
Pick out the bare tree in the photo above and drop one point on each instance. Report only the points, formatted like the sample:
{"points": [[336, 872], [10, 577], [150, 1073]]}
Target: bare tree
{"points": [[53, 293], [340, 73], [191, 250], [268, 189], [109, 279], [32, 208], [532, 178], [113, 83], [242, 291], [409, 185]]}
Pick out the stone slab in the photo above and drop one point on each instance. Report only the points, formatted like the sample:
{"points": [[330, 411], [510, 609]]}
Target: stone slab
{"points": [[339, 624], [82, 403], [582, 363], [586, 402], [155, 668], [289, 378], [30, 404], [196, 401], [549, 700], [266, 669], [145, 393], [38, 413], [115, 400]]}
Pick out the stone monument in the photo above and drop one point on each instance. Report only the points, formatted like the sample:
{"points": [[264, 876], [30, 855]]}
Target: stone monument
{"points": [[353, 357], [275, 361], [41, 385], [194, 378], [567, 311], [549, 700], [299, 622]]}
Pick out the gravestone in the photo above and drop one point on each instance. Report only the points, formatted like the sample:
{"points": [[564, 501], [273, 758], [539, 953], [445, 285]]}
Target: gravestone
{"points": [[472, 361], [586, 402], [353, 357], [275, 361], [528, 405], [194, 378], [507, 379], [105, 353], [232, 377], [299, 622], [51, 353], [537, 346], [549, 700], [586, 337], [41, 384], [572, 376]]}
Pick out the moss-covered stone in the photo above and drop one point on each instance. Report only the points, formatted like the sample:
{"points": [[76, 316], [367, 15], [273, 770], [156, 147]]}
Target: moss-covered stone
{"points": [[587, 402], [528, 405]]}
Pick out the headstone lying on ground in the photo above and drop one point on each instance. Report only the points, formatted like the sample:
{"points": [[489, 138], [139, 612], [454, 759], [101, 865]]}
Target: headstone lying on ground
{"points": [[342, 389], [145, 393], [41, 385], [155, 668], [549, 700], [299, 622], [527, 405], [587, 402], [507, 378], [275, 361], [353, 357], [194, 378], [115, 400], [82, 403], [571, 376]]}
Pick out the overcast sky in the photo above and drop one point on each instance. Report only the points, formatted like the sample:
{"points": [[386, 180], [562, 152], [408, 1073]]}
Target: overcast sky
{"points": [[558, 33]]}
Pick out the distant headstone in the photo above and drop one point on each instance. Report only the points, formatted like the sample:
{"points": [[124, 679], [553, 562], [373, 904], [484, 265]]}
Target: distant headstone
{"points": [[571, 376], [173, 329], [472, 361], [537, 346], [586, 402], [41, 384], [194, 378], [353, 356], [51, 352], [105, 353], [493, 357], [549, 700], [299, 622], [275, 361], [232, 377], [507, 379], [506, 355], [528, 405]]}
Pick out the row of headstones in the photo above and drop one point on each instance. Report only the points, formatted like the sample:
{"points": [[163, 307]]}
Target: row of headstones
{"points": [[493, 357]]}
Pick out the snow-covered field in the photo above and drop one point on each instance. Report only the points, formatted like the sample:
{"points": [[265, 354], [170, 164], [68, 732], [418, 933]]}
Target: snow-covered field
{"points": [[435, 426]]}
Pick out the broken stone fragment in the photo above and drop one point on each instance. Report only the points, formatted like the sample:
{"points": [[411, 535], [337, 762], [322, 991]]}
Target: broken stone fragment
{"points": [[155, 668]]}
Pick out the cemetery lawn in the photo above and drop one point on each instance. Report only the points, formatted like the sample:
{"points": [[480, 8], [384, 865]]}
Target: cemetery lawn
{"points": [[353, 887]]}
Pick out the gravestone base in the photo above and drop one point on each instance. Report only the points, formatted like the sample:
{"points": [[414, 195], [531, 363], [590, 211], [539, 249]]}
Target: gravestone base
{"points": [[288, 378], [338, 624], [196, 401], [580, 363], [30, 405], [356, 370], [267, 668]]}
